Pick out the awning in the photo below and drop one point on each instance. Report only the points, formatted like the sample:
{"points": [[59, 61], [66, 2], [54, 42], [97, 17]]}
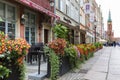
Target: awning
{"points": [[38, 7], [66, 24], [102, 40]]}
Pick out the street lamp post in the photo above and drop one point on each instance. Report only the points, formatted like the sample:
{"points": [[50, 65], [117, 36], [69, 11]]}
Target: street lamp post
{"points": [[53, 7], [52, 3], [95, 33], [95, 26]]}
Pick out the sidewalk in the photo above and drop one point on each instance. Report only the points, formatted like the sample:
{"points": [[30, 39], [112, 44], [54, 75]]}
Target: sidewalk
{"points": [[79, 74], [104, 65], [107, 66], [33, 69]]}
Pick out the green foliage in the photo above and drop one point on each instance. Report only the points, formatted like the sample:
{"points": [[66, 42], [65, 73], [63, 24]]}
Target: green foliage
{"points": [[11, 64], [12, 53], [72, 54], [4, 72], [60, 31], [70, 51], [54, 62], [47, 50], [22, 72], [97, 44]]}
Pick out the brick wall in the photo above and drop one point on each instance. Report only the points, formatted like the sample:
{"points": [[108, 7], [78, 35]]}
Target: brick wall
{"points": [[43, 3]]}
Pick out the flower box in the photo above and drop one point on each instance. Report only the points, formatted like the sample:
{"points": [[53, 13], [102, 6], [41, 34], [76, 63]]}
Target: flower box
{"points": [[12, 52], [63, 68], [15, 74], [13, 67]]}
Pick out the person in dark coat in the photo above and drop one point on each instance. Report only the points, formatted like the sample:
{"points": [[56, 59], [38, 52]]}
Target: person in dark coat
{"points": [[114, 43]]}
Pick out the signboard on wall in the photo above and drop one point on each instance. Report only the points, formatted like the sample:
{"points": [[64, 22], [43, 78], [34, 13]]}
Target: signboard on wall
{"points": [[87, 8], [92, 17]]}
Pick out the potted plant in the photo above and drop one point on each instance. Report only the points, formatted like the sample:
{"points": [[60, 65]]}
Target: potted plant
{"points": [[73, 55], [55, 49], [13, 52]]}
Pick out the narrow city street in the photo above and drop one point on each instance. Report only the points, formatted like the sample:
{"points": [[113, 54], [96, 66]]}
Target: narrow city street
{"points": [[52, 37], [104, 65]]}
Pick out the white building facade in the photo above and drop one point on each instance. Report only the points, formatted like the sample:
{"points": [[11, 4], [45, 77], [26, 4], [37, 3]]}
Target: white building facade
{"points": [[68, 10]]}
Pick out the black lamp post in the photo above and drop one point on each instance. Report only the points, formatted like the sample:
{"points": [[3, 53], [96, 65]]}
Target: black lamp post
{"points": [[52, 3], [95, 26], [95, 33]]}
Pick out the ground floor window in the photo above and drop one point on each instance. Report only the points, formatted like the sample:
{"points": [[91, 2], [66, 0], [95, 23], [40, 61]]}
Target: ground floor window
{"points": [[71, 36], [82, 37], [7, 18], [30, 27], [46, 35]]}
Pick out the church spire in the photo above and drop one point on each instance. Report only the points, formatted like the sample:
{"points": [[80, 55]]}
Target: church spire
{"points": [[109, 17]]}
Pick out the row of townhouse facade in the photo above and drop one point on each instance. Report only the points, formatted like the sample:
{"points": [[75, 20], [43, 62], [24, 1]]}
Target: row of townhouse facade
{"points": [[94, 22], [33, 19], [69, 13], [28, 19]]}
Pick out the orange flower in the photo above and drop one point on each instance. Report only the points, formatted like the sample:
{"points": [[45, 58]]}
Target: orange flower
{"points": [[58, 46], [20, 60]]}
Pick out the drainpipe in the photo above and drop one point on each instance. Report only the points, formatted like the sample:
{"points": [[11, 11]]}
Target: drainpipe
{"points": [[79, 21], [55, 10]]}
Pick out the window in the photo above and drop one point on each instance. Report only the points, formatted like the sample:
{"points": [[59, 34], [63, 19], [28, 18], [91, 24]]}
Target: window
{"points": [[11, 13], [30, 27], [7, 13], [2, 26], [67, 9], [62, 6], [81, 3], [59, 4], [76, 15], [2, 10], [11, 28], [2, 15], [72, 11]]}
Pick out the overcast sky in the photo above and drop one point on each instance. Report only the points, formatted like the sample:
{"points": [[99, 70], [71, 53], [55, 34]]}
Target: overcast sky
{"points": [[114, 7]]}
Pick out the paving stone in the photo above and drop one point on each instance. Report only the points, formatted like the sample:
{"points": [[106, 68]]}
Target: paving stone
{"points": [[93, 75], [100, 68], [113, 77]]}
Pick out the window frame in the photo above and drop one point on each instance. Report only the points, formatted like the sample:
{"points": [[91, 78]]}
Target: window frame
{"points": [[28, 25], [7, 20]]}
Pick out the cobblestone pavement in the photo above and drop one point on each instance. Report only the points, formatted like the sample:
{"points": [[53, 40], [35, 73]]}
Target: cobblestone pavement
{"points": [[104, 65]]}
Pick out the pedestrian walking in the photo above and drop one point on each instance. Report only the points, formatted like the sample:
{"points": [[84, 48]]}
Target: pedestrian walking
{"points": [[114, 43]]}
